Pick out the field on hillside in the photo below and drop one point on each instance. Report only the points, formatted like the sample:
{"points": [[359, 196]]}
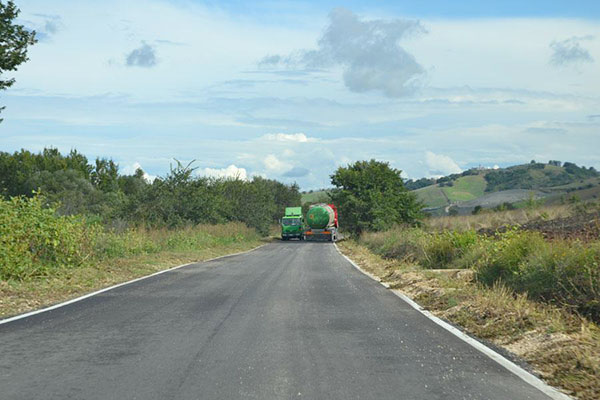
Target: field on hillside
{"points": [[552, 184], [464, 189]]}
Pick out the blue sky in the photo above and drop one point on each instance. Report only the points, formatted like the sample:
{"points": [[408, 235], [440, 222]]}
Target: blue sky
{"points": [[292, 90]]}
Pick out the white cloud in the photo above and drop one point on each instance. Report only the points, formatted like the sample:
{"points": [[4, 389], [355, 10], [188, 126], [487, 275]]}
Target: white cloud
{"points": [[231, 172], [440, 164], [131, 169], [289, 137], [272, 163]]}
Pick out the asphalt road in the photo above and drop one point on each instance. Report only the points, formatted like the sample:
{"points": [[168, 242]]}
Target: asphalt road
{"points": [[289, 320]]}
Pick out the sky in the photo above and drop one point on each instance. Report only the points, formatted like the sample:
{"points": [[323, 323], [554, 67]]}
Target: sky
{"points": [[293, 90]]}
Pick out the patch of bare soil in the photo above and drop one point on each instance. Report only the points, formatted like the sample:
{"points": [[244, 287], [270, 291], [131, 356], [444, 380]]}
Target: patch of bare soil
{"points": [[582, 226]]}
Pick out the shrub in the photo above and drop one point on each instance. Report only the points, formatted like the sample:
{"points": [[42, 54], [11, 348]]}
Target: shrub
{"points": [[406, 244], [33, 239], [506, 254], [446, 248], [565, 273]]}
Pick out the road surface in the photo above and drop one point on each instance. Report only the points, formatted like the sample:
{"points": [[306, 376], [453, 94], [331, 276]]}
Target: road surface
{"points": [[290, 320]]}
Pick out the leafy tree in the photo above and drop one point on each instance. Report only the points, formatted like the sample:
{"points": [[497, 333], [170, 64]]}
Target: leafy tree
{"points": [[477, 210], [105, 175], [419, 183], [370, 195], [14, 40], [72, 185]]}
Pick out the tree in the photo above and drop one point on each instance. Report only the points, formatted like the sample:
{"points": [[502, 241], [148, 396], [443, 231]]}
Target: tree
{"points": [[14, 40], [370, 195], [477, 210]]}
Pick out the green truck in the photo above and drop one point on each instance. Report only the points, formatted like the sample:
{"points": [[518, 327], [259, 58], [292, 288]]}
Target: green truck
{"points": [[292, 224]]}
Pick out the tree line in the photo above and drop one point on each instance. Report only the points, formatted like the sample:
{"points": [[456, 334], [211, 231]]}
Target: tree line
{"points": [[74, 185]]}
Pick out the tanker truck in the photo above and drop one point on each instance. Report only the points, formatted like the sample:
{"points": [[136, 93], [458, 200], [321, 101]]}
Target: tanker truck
{"points": [[322, 220]]}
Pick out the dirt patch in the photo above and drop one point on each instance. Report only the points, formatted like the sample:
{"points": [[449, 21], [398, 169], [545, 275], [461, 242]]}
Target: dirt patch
{"points": [[583, 226]]}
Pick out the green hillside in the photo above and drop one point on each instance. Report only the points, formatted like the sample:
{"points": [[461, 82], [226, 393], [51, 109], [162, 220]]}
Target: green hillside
{"points": [[537, 176], [432, 196], [463, 189], [557, 181]]}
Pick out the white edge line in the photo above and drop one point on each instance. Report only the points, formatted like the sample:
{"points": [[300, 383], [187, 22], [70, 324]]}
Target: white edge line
{"points": [[506, 363], [85, 296]]}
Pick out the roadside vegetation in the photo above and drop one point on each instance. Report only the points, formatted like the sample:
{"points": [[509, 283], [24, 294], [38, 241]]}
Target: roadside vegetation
{"points": [[560, 346], [76, 186], [36, 242], [561, 272], [371, 196], [46, 257], [525, 279], [68, 226]]}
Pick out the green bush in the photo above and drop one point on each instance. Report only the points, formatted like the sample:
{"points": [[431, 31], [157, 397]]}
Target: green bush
{"points": [[567, 273], [406, 244], [506, 254], [445, 249], [33, 239]]}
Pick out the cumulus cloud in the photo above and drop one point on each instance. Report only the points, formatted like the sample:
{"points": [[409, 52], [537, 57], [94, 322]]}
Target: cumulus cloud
{"points": [[296, 172], [143, 56], [289, 137], [231, 172], [440, 164], [569, 51], [368, 51], [132, 169]]}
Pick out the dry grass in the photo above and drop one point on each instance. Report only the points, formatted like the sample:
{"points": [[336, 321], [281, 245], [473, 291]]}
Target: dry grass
{"points": [[17, 297], [562, 348], [494, 220]]}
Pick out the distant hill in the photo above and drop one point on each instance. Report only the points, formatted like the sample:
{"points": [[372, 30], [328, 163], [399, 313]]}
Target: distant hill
{"points": [[317, 196], [554, 182], [537, 176]]}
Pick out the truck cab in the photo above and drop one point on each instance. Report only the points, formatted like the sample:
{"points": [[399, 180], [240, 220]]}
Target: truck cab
{"points": [[292, 224]]}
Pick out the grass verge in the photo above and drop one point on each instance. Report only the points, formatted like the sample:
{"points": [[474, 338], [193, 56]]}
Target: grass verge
{"points": [[66, 282], [561, 348]]}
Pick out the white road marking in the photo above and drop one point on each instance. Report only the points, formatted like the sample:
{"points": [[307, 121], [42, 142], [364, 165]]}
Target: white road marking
{"points": [[506, 363]]}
